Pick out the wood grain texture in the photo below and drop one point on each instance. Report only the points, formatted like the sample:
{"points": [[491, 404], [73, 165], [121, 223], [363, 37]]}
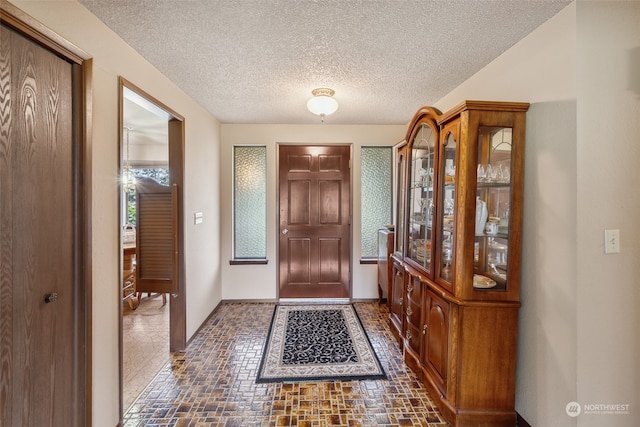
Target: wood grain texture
{"points": [[385, 270], [6, 234], [37, 234], [314, 205], [396, 295], [156, 237], [468, 342]]}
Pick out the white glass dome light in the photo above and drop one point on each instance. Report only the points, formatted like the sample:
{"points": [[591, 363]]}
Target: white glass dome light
{"points": [[322, 103]]}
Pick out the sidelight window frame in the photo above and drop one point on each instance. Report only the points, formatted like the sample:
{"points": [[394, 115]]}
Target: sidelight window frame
{"points": [[249, 214], [374, 215]]}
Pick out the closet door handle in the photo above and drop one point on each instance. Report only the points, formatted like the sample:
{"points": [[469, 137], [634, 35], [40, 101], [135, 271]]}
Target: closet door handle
{"points": [[51, 297]]}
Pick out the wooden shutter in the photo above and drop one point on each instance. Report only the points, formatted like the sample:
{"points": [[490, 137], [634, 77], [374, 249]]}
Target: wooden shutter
{"points": [[156, 237]]}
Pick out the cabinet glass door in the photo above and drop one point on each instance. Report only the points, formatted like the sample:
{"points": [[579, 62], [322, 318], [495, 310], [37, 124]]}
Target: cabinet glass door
{"points": [[401, 185], [493, 195], [447, 206], [421, 197]]}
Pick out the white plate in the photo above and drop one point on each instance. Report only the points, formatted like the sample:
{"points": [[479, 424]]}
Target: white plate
{"points": [[483, 282]]}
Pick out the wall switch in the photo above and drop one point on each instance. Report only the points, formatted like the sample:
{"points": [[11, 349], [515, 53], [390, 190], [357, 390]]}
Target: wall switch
{"points": [[611, 241], [197, 218]]}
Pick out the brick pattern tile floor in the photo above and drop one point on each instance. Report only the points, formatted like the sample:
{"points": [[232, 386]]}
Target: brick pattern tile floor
{"points": [[212, 383]]}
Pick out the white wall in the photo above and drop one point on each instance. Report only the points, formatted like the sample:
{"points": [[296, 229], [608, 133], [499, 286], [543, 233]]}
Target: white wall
{"points": [[579, 331], [113, 58], [608, 154], [242, 282]]}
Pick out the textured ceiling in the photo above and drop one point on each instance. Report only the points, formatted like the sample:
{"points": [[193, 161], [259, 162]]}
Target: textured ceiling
{"points": [[256, 61]]}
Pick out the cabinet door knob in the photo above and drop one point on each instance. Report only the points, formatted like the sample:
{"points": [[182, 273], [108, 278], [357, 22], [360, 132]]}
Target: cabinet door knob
{"points": [[285, 231], [424, 329], [51, 297]]}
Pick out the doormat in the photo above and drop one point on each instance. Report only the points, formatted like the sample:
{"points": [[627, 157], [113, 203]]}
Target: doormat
{"points": [[315, 343]]}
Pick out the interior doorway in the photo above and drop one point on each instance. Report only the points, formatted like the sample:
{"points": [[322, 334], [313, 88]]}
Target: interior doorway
{"points": [[152, 323]]}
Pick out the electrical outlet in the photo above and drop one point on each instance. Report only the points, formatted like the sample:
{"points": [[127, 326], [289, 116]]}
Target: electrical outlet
{"points": [[611, 241]]}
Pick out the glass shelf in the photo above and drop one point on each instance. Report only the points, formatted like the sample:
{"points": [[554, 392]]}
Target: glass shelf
{"points": [[493, 195], [421, 196], [447, 176]]}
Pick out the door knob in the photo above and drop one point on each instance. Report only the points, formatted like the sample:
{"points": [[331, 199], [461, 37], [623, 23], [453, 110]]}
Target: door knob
{"points": [[285, 231], [51, 297]]}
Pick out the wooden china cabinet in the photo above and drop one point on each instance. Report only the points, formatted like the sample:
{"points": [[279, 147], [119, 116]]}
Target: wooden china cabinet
{"points": [[454, 291]]}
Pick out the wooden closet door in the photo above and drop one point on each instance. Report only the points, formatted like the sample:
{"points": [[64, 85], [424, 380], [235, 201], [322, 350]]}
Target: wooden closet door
{"points": [[38, 359]]}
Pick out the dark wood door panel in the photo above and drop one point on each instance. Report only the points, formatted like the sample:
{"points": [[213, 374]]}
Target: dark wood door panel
{"points": [[298, 162], [437, 342], [329, 202], [435, 354], [299, 262], [330, 163], [314, 205], [299, 212], [37, 232], [397, 298], [329, 265]]}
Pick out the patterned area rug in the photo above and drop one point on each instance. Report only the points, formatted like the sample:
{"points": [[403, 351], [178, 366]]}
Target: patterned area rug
{"points": [[317, 342]]}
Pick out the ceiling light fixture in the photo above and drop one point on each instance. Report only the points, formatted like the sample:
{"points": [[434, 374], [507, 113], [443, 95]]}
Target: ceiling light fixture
{"points": [[322, 103]]}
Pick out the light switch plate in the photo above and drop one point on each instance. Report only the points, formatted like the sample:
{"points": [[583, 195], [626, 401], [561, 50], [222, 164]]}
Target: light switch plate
{"points": [[611, 241], [197, 218]]}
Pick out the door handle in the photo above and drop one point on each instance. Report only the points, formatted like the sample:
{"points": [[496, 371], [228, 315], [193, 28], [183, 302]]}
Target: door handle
{"points": [[285, 231], [51, 297]]}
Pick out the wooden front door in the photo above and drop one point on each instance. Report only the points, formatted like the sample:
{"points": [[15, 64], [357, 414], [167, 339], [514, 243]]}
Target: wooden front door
{"points": [[42, 329], [314, 248]]}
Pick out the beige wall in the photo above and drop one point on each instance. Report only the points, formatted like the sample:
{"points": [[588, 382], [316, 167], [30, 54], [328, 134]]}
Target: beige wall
{"points": [[608, 196], [113, 58], [260, 281]]}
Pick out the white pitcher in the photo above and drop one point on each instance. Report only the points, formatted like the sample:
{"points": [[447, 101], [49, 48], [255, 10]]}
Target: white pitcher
{"points": [[481, 216]]}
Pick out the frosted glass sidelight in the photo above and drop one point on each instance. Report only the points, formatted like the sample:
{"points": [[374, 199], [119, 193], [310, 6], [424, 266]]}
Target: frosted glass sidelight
{"points": [[250, 202], [376, 196]]}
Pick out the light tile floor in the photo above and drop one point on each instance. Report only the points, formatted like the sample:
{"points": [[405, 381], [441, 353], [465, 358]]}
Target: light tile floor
{"points": [[145, 338], [213, 382]]}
